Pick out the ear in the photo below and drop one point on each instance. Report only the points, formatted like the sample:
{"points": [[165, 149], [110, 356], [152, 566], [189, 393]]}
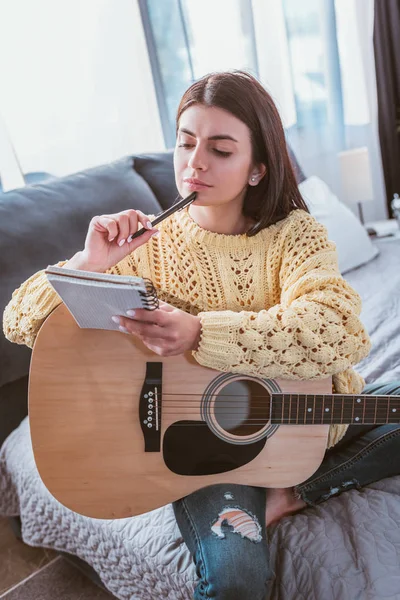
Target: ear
{"points": [[257, 173]]}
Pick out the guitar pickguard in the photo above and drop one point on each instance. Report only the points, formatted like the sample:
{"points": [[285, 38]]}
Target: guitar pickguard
{"points": [[190, 448]]}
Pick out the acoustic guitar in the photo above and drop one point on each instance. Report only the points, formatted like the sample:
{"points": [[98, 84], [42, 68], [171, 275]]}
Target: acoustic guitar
{"points": [[118, 431]]}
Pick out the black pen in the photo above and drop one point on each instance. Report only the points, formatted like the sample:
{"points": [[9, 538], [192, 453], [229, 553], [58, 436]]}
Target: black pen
{"points": [[167, 213]]}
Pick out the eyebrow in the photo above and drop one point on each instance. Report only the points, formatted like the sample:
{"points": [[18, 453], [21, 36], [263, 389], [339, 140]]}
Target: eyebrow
{"points": [[222, 136]]}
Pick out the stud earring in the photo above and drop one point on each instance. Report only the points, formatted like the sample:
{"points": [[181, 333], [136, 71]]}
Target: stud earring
{"points": [[253, 178]]}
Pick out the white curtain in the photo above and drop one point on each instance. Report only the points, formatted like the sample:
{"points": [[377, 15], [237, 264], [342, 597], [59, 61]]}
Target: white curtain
{"points": [[76, 83], [285, 63]]}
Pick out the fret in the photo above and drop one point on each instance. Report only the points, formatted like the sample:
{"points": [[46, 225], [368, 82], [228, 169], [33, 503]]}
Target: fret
{"points": [[309, 406], [286, 408], [293, 409], [302, 409], [381, 413], [370, 410], [276, 406], [376, 408], [387, 412], [394, 409], [337, 410], [348, 410], [358, 409], [318, 409], [328, 410], [314, 410], [342, 417]]}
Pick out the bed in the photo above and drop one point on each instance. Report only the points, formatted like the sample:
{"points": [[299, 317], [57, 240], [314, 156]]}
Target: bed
{"points": [[346, 549]]}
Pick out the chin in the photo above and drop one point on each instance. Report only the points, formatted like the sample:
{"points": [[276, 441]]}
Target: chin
{"points": [[202, 202]]}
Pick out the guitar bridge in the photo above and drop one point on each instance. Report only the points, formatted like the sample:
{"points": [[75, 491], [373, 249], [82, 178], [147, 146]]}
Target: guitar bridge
{"points": [[150, 407]]}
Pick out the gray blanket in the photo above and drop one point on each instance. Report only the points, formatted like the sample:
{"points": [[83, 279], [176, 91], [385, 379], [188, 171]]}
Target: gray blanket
{"points": [[346, 549], [378, 283]]}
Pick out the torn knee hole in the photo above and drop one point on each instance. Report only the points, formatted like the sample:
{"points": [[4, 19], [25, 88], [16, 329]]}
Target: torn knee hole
{"points": [[240, 521]]}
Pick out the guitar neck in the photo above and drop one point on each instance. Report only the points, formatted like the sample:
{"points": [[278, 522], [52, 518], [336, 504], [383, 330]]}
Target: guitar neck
{"points": [[325, 409]]}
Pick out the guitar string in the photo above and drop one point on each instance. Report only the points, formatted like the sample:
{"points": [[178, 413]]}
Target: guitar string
{"points": [[289, 397], [280, 422], [308, 418]]}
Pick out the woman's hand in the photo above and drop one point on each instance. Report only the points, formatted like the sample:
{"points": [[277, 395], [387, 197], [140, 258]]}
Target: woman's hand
{"points": [[108, 240], [167, 331]]}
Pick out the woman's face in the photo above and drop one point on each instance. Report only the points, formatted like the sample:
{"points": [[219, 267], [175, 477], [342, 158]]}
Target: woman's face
{"points": [[213, 156]]}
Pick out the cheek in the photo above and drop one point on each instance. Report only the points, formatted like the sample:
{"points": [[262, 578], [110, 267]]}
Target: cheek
{"points": [[179, 168], [233, 173]]}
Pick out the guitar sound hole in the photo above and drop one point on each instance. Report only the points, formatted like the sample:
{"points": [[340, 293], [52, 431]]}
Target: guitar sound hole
{"points": [[242, 407]]}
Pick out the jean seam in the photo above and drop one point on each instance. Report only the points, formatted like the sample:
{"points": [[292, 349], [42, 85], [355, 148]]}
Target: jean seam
{"points": [[189, 517], [343, 466]]}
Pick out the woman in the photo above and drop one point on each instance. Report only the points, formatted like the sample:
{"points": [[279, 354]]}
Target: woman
{"points": [[251, 285]]}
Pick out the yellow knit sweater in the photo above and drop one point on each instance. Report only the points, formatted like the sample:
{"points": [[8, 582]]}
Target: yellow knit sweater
{"points": [[271, 305]]}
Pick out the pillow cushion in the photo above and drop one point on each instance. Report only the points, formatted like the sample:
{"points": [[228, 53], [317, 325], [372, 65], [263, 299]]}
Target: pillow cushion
{"points": [[157, 170], [44, 223], [353, 244]]}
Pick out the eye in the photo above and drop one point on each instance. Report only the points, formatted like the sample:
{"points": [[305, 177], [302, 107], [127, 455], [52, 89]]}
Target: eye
{"points": [[221, 153], [185, 145]]}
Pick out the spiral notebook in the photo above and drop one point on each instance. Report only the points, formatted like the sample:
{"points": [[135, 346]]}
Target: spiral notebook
{"points": [[93, 298]]}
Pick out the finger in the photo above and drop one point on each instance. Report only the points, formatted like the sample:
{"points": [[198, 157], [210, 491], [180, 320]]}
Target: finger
{"points": [[154, 342], [156, 349], [149, 331], [123, 224], [144, 220], [157, 317], [136, 327], [106, 224]]}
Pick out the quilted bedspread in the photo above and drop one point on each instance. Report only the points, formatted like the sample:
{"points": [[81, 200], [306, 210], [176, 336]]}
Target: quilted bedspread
{"points": [[378, 283], [346, 549]]}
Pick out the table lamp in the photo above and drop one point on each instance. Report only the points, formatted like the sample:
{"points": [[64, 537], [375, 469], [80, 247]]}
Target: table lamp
{"points": [[355, 169]]}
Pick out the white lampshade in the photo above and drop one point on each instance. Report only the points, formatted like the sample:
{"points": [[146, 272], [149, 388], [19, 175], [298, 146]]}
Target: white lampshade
{"points": [[356, 176]]}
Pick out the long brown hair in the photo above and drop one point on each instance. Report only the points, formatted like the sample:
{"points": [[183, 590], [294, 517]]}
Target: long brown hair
{"points": [[243, 96]]}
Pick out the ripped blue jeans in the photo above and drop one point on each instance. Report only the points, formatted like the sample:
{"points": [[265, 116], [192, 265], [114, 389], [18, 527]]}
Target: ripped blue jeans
{"points": [[224, 525]]}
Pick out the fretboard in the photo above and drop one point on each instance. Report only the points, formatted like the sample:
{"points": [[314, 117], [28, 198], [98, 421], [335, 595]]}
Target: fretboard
{"points": [[310, 409]]}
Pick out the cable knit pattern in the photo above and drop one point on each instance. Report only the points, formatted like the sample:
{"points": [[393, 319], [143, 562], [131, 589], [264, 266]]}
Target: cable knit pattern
{"points": [[271, 305], [30, 304]]}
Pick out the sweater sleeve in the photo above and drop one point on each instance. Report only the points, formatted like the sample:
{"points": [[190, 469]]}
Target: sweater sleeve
{"points": [[35, 299], [29, 306], [313, 332]]}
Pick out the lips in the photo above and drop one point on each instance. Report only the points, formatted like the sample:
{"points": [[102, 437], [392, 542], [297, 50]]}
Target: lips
{"points": [[194, 181]]}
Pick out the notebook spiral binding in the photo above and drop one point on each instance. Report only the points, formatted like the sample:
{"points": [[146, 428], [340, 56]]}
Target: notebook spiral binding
{"points": [[149, 298]]}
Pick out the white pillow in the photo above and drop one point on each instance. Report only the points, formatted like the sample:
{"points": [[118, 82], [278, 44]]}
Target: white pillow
{"points": [[353, 244]]}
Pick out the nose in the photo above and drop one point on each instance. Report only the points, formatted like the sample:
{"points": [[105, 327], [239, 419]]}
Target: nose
{"points": [[198, 159]]}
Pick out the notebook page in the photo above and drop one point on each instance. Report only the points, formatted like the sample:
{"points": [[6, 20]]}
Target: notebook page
{"points": [[93, 303]]}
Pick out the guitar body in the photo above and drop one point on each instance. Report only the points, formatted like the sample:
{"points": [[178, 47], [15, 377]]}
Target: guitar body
{"points": [[118, 431]]}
